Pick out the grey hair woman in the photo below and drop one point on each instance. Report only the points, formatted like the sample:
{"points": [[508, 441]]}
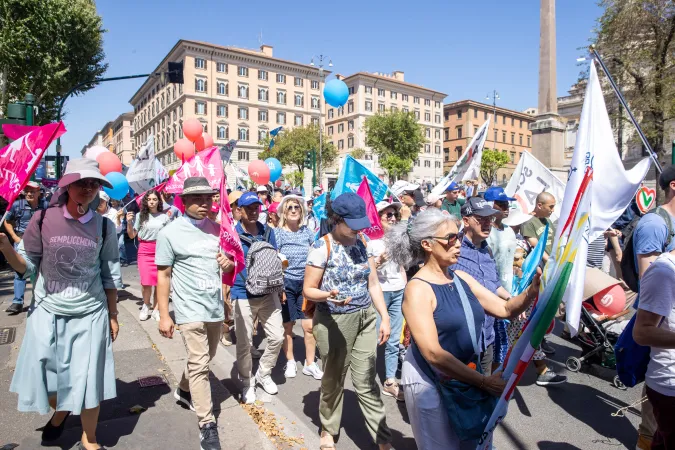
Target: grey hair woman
{"points": [[443, 342]]}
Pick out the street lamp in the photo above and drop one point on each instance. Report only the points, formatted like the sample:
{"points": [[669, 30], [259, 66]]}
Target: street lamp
{"points": [[495, 97], [320, 60]]}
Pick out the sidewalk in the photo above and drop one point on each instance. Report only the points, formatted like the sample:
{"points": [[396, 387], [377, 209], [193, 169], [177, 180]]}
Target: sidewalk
{"points": [[139, 352]]}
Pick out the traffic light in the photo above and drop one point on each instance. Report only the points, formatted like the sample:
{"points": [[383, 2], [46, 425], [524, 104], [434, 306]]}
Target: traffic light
{"points": [[175, 72], [308, 159]]}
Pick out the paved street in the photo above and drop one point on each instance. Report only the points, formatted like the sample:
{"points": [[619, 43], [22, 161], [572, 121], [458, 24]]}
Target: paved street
{"points": [[572, 416]]}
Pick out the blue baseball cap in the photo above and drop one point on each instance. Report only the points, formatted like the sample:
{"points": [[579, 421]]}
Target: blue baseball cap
{"points": [[249, 198], [452, 187], [497, 194], [352, 209]]}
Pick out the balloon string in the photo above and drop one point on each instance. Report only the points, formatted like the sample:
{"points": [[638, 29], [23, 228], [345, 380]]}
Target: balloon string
{"points": [[621, 412]]}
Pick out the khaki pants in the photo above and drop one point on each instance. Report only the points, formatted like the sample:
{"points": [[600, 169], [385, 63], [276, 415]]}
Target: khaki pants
{"points": [[349, 341], [201, 343], [268, 310], [647, 425]]}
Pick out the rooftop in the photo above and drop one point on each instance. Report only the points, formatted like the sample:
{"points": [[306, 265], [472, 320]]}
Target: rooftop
{"points": [[489, 107], [396, 77]]}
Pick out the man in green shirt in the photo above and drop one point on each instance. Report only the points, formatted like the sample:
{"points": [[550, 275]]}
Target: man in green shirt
{"points": [[452, 203], [535, 227]]}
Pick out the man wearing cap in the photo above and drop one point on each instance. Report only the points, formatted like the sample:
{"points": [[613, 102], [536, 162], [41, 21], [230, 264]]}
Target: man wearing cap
{"points": [[317, 191], [16, 223], [452, 203], [411, 196], [264, 203], [475, 258], [266, 308], [534, 228], [188, 260]]}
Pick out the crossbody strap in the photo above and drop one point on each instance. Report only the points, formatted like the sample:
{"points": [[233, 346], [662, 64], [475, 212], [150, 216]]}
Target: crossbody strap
{"points": [[468, 313]]}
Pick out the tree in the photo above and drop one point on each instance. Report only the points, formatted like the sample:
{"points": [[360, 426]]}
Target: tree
{"points": [[396, 138], [46, 48], [296, 178], [636, 40], [291, 146], [491, 162], [358, 153]]}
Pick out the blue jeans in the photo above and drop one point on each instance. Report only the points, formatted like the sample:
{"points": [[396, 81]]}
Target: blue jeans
{"points": [[19, 286], [392, 300], [122, 247]]}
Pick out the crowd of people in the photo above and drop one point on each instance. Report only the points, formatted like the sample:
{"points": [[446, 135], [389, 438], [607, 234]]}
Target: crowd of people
{"points": [[437, 292]]}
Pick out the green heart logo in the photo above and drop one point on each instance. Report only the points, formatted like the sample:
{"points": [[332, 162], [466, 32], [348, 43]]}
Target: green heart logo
{"points": [[645, 198]]}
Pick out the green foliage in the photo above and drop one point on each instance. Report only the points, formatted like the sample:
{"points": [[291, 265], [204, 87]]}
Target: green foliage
{"points": [[46, 48], [396, 138], [358, 153], [636, 41], [296, 178], [291, 146], [491, 162]]}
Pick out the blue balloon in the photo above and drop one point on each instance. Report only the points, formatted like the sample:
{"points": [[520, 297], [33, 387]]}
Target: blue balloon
{"points": [[120, 185], [275, 168], [336, 93]]}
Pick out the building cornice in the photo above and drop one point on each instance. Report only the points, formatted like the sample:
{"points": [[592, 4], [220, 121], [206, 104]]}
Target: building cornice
{"points": [[362, 76], [488, 107]]}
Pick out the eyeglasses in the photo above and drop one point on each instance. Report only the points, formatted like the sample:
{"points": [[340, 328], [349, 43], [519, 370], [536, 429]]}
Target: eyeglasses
{"points": [[451, 238], [389, 215], [484, 220], [87, 183], [293, 208]]}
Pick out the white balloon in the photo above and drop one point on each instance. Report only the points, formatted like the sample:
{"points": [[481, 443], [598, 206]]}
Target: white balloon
{"points": [[93, 152]]}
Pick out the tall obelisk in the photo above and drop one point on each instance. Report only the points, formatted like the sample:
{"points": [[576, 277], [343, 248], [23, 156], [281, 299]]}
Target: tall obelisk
{"points": [[547, 131]]}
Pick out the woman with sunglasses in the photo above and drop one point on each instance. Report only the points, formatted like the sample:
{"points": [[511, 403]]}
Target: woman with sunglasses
{"points": [[66, 359], [444, 339], [392, 279], [293, 240]]}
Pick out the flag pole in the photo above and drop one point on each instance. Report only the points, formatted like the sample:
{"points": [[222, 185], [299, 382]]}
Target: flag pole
{"points": [[623, 102]]}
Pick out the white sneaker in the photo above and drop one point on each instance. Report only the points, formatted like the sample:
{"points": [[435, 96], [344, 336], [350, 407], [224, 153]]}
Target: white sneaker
{"points": [[313, 370], [291, 369], [155, 314], [255, 353], [267, 384], [248, 395], [145, 313]]}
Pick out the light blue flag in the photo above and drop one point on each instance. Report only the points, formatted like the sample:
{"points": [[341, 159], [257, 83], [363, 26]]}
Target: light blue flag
{"points": [[319, 207], [350, 177], [530, 265]]}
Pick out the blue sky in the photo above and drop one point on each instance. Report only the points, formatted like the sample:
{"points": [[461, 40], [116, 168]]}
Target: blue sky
{"points": [[465, 49]]}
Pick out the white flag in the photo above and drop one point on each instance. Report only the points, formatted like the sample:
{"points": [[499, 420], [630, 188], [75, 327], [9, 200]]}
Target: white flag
{"points": [[467, 166], [530, 179], [612, 188], [142, 171]]}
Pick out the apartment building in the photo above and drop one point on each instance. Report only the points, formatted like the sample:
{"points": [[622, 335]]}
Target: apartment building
{"points": [[509, 133], [235, 93], [370, 93], [117, 136]]}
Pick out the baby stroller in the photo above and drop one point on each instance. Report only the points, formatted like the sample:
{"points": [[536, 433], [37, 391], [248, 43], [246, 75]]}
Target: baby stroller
{"points": [[597, 332]]}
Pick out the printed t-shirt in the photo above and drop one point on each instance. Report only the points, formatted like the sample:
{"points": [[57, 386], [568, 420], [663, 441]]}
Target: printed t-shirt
{"points": [[151, 227], [295, 247]]}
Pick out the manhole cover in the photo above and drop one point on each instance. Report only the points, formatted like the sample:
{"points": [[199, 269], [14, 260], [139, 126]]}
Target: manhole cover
{"points": [[7, 335], [153, 380]]}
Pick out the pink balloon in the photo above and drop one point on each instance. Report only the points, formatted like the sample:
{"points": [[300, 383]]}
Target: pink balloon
{"points": [[278, 183], [184, 149], [259, 172], [192, 129], [611, 300], [203, 142], [208, 140], [93, 152], [108, 162]]}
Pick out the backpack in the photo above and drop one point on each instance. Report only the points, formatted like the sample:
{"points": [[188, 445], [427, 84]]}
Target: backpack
{"points": [[263, 266], [629, 271]]}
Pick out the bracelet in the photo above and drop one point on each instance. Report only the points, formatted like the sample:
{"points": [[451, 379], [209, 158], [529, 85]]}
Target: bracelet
{"points": [[114, 314]]}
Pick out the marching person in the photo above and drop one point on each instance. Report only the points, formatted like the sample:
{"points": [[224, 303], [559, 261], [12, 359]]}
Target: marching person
{"points": [[66, 358], [263, 196], [311, 221], [444, 336], [342, 279], [392, 279], [452, 203], [273, 215], [147, 226], [293, 240], [16, 223], [228, 323], [188, 260], [534, 228]]}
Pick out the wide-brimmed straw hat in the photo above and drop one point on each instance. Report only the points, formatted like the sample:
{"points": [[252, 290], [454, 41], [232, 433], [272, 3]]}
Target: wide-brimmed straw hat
{"points": [[297, 198], [79, 169]]}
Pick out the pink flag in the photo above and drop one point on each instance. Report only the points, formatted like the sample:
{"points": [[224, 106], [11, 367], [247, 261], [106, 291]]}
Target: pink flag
{"points": [[205, 164], [19, 159], [375, 231], [229, 238], [158, 188], [14, 131]]}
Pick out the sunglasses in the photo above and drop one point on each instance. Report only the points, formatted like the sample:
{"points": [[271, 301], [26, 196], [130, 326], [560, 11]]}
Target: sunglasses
{"points": [[389, 215], [293, 208], [451, 238], [85, 183]]}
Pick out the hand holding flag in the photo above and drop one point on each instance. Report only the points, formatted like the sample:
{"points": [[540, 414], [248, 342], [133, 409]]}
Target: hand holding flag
{"points": [[229, 240]]}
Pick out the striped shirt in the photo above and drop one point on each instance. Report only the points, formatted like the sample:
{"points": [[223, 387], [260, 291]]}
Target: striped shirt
{"points": [[596, 252]]}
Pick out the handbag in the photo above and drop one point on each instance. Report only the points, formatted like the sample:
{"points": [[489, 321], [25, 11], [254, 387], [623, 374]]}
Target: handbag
{"points": [[468, 407]]}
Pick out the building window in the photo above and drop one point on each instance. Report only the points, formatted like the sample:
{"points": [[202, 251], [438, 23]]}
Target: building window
{"points": [[417, 163], [315, 102], [437, 134], [513, 157], [393, 95], [369, 89], [503, 120], [437, 164], [459, 113], [222, 88], [340, 111], [513, 121], [416, 100], [341, 127], [417, 115], [262, 115], [221, 111], [350, 125], [427, 163], [427, 148], [475, 114], [351, 90], [243, 71], [521, 123], [243, 91], [281, 78], [242, 155], [341, 144], [262, 134], [380, 92], [404, 97], [281, 118], [242, 113], [315, 121], [315, 84], [263, 94], [520, 139], [298, 120], [299, 99], [380, 107], [394, 108], [495, 139], [330, 130], [180, 110], [406, 109], [222, 132], [528, 141], [221, 67], [331, 113], [281, 97], [297, 82], [262, 75], [504, 137], [513, 138], [459, 132], [200, 108], [200, 63], [485, 116], [427, 116], [428, 132], [446, 154], [437, 149], [437, 119], [350, 106], [369, 106], [350, 142], [243, 134]]}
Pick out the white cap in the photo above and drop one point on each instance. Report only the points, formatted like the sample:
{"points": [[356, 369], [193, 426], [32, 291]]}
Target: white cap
{"points": [[104, 196], [317, 188], [402, 186], [385, 204], [432, 198], [262, 188]]}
